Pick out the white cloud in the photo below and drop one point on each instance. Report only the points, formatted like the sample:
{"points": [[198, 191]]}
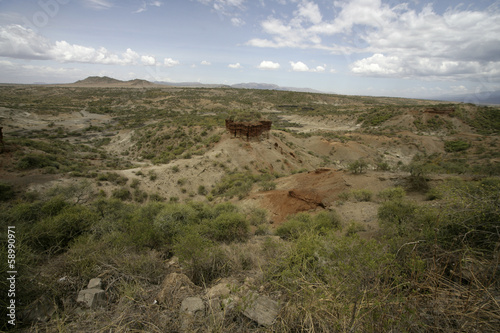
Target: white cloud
{"points": [[19, 42], [169, 62], [310, 11], [225, 7], [269, 65], [145, 6], [22, 43], [98, 4], [237, 22], [13, 72], [299, 66], [148, 60], [402, 42], [235, 66], [320, 69], [206, 63]]}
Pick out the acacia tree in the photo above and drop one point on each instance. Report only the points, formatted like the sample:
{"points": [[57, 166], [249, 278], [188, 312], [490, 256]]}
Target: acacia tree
{"points": [[358, 166]]}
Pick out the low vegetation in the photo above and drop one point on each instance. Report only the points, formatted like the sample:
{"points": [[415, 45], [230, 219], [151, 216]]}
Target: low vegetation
{"points": [[149, 185]]}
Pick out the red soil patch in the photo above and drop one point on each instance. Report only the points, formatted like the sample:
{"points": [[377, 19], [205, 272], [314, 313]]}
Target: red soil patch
{"points": [[302, 192]]}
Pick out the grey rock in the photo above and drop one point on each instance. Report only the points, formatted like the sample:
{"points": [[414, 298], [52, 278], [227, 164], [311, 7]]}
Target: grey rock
{"points": [[92, 298], [95, 284], [192, 305], [261, 309]]}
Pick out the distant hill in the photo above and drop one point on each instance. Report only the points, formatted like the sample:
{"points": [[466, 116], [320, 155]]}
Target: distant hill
{"points": [[192, 84], [267, 86], [98, 80], [250, 85], [105, 81], [484, 98]]}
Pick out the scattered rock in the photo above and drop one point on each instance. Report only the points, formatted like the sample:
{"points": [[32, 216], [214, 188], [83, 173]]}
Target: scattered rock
{"points": [[92, 298], [192, 310], [192, 305], [219, 290], [175, 288], [261, 309], [39, 311], [95, 284]]}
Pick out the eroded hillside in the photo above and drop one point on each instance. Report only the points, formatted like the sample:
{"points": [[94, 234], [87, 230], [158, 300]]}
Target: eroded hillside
{"points": [[384, 210]]}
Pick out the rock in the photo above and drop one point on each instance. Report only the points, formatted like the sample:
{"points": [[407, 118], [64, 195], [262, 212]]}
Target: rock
{"points": [[192, 310], [175, 288], [92, 298], [219, 290], [192, 305], [95, 284], [261, 309], [39, 311]]}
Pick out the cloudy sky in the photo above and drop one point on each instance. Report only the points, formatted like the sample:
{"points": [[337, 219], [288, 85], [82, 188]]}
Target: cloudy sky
{"points": [[412, 48]]}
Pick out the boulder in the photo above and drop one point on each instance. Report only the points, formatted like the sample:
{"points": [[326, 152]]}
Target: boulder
{"points": [[192, 311], [219, 290], [175, 288], [92, 298], [192, 305], [261, 309]]}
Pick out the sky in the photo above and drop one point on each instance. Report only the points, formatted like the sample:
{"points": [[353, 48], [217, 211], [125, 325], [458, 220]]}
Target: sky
{"points": [[413, 48]]}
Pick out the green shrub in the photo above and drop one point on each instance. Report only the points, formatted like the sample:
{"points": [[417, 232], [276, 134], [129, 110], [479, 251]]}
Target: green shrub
{"points": [[362, 195], [456, 145], [235, 184], [140, 196], [358, 166], [344, 196], [135, 183], [56, 232], [392, 193], [113, 177], [202, 259], [294, 226], [470, 214], [174, 218], [418, 169], [257, 216], [228, 227], [6, 192], [267, 185], [325, 221], [152, 175], [37, 161], [202, 190], [121, 193], [301, 223]]}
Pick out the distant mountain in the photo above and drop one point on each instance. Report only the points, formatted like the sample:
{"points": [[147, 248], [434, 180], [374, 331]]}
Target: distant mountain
{"points": [[267, 86], [250, 85], [105, 81], [98, 80], [485, 98], [192, 84]]}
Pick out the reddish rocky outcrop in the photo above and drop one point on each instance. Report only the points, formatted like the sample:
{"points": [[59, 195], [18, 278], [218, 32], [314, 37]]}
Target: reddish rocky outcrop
{"points": [[248, 130]]}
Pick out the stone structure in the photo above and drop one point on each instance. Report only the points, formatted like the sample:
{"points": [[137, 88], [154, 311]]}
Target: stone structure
{"points": [[248, 129]]}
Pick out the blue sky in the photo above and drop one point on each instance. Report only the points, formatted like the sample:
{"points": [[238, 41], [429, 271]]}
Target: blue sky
{"points": [[412, 48]]}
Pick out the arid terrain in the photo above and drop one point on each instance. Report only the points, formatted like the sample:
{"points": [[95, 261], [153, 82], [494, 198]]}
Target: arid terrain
{"points": [[352, 213]]}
